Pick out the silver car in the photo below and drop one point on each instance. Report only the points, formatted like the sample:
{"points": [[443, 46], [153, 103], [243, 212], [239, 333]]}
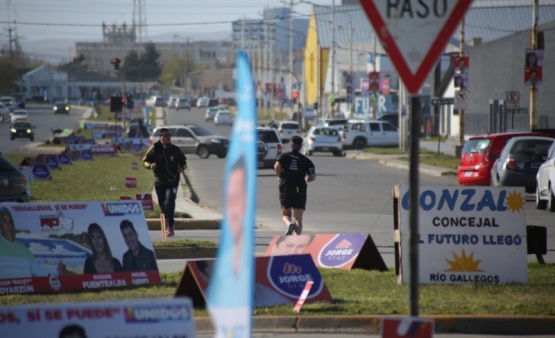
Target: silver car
{"points": [[518, 164]]}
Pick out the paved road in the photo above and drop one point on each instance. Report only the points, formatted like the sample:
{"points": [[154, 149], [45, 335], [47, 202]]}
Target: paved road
{"points": [[44, 120]]}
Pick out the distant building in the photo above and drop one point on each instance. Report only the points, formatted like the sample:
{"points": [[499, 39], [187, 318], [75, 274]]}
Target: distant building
{"points": [[75, 85], [119, 41]]}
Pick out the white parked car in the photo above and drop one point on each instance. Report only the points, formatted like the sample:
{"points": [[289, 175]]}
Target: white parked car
{"points": [[545, 182], [323, 140], [183, 103], [19, 114], [203, 102], [269, 147], [223, 117], [359, 134], [286, 129]]}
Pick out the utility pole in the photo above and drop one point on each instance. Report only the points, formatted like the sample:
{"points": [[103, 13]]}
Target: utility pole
{"points": [[332, 53], [374, 96], [461, 111], [352, 103], [291, 57], [10, 41], [534, 45]]}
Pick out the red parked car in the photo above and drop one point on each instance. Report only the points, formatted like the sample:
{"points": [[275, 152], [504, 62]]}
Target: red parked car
{"points": [[480, 152]]}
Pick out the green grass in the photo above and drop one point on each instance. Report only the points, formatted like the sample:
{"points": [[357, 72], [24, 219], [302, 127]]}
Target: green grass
{"points": [[361, 292], [184, 243], [101, 179]]}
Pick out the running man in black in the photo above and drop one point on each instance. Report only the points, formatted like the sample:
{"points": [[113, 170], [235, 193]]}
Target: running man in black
{"points": [[294, 171]]}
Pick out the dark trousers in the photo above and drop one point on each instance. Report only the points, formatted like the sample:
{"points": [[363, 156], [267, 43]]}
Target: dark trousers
{"points": [[166, 200]]}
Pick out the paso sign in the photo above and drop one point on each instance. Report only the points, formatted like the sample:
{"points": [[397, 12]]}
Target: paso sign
{"points": [[414, 33]]}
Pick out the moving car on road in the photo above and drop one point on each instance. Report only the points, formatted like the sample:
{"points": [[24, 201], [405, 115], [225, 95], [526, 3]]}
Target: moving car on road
{"points": [[19, 114], [61, 107], [22, 129]]}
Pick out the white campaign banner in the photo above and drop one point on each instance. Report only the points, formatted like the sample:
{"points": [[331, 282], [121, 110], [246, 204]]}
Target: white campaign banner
{"points": [[467, 235], [64, 246], [143, 318]]}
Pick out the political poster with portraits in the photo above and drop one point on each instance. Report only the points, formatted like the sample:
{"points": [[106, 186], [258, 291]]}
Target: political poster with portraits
{"points": [[63, 246], [279, 280], [334, 251], [533, 67], [153, 318]]}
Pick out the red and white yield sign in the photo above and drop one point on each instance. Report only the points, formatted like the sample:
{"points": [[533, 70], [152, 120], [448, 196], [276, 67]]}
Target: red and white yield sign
{"points": [[414, 33]]}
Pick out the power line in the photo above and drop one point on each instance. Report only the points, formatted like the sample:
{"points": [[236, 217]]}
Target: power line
{"points": [[25, 23]]}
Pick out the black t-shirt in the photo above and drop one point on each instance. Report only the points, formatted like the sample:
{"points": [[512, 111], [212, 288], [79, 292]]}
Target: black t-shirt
{"points": [[294, 167]]}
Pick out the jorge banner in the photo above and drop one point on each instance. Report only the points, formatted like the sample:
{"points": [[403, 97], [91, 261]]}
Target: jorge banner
{"points": [[62, 246], [279, 280], [338, 251], [230, 293]]}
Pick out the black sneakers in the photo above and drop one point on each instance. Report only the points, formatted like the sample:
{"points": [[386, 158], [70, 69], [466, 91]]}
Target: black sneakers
{"points": [[290, 229]]}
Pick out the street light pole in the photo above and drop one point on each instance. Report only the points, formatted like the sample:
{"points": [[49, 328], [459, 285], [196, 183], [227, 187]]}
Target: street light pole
{"points": [[291, 56], [332, 52]]}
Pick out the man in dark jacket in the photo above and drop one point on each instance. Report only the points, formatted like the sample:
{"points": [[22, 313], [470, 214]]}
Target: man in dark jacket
{"points": [[167, 161]]}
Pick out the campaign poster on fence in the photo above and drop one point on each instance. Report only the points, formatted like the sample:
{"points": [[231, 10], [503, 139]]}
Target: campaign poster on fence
{"points": [[62, 246], [467, 235], [152, 318]]}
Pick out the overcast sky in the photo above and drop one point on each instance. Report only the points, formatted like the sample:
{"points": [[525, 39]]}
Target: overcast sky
{"points": [[82, 19]]}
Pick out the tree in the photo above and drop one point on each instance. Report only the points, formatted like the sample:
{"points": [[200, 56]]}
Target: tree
{"points": [[142, 66], [132, 67], [8, 80], [150, 66], [175, 71], [77, 64]]}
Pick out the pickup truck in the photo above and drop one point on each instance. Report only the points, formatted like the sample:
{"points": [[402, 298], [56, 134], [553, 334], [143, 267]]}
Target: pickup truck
{"points": [[359, 134]]}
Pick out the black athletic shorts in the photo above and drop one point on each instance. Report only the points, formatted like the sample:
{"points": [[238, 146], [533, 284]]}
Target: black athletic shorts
{"points": [[292, 197]]}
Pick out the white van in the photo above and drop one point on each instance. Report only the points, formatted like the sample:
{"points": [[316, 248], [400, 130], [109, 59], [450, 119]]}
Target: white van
{"points": [[203, 102]]}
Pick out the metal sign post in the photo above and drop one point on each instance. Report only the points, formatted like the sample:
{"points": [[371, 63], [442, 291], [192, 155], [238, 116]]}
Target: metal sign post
{"points": [[414, 35]]}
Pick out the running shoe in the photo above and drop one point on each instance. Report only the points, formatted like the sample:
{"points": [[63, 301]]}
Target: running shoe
{"points": [[290, 229], [169, 232]]}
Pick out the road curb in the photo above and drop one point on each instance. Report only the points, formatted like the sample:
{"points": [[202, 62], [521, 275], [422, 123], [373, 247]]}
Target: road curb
{"points": [[423, 169], [185, 252], [484, 324], [185, 224]]}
